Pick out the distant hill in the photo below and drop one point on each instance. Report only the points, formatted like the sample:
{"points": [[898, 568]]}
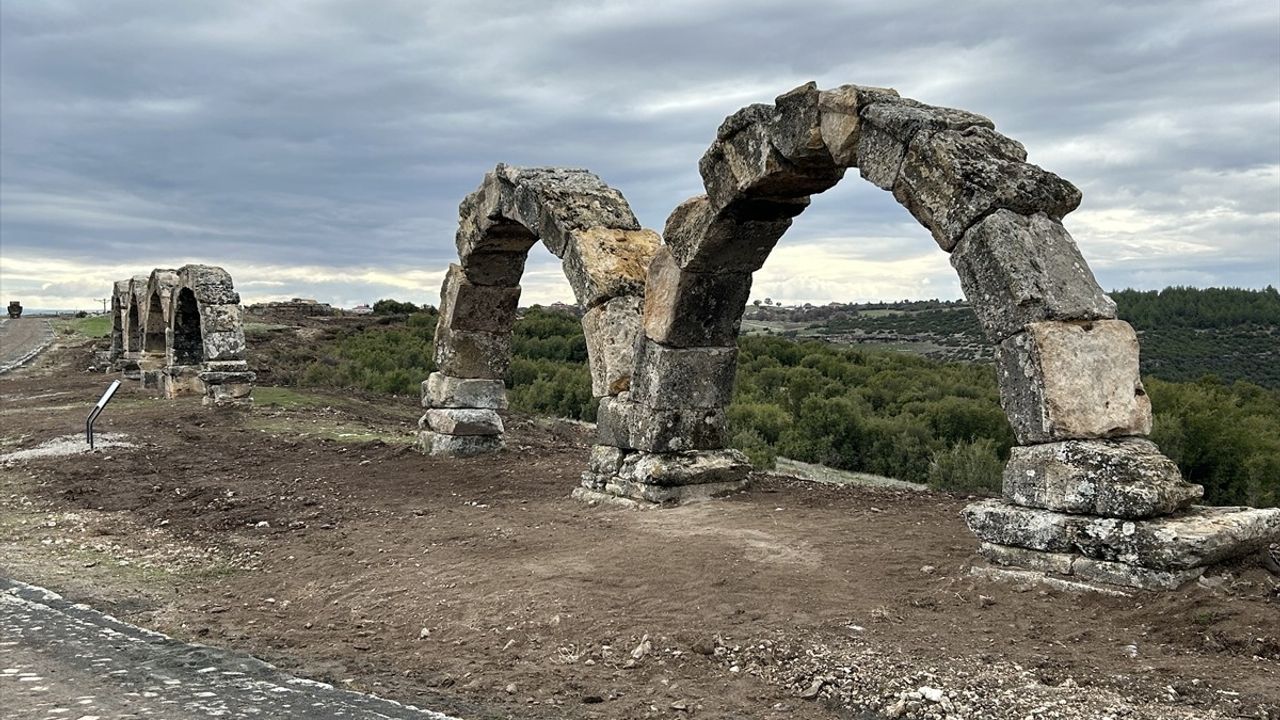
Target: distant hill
{"points": [[1187, 333]]}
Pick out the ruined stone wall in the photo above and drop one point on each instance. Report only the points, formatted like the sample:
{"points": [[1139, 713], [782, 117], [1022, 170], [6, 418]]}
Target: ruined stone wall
{"points": [[182, 331], [604, 253]]}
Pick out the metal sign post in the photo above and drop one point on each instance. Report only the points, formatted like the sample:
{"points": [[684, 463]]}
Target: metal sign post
{"points": [[97, 410]]}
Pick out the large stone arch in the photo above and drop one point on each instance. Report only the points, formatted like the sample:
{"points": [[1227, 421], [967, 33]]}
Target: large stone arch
{"points": [[604, 252], [1085, 492], [205, 337]]}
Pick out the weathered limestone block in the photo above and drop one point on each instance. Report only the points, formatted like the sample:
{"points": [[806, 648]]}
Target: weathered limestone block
{"points": [[691, 309], [685, 468], [625, 424], [1063, 381], [462, 421], [839, 121], [1124, 478], [434, 443], [465, 306], [224, 345], [737, 238], [887, 127], [951, 178], [494, 268], [554, 202], [210, 285], [444, 391], [612, 330], [1089, 569], [1195, 538], [743, 163], [177, 380], [1017, 270], [683, 377], [603, 263], [606, 459], [472, 354], [645, 493], [221, 318], [228, 384]]}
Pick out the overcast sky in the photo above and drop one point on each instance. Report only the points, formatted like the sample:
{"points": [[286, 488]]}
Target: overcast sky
{"points": [[320, 149]]}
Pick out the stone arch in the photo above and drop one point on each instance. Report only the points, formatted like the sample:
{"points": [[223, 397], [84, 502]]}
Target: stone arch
{"points": [[206, 337], [119, 302], [604, 253], [154, 336], [156, 320], [970, 186], [133, 322]]}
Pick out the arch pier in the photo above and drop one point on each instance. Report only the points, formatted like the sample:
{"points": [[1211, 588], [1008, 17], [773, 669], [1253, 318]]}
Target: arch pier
{"points": [[1085, 493], [181, 331], [604, 253]]}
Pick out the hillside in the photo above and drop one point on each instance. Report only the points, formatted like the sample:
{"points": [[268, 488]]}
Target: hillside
{"points": [[1186, 333]]}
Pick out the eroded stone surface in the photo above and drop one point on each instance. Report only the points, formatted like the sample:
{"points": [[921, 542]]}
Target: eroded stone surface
{"points": [[467, 306], [434, 443], [608, 263], [472, 354], [1088, 569], [443, 391], [1125, 478], [1063, 381], [684, 468], [1194, 538], [463, 421], [611, 330], [623, 423], [692, 309], [683, 377], [1017, 270]]}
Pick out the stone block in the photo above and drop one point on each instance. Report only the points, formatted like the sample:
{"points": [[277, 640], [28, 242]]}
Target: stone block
{"points": [[467, 306], [839, 122], [472, 354], [734, 239], [1017, 270], [1064, 381], [1197, 537], [178, 380], [691, 309], [950, 179], [1054, 562], [218, 318], [623, 423], [683, 377], [224, 345], [443, 391], [887, 125], [603, 263], [659, 494], [1088, 569], [745, 164], [605, 460], [463, 421], [1124, 478], [612, 330], [555, 202], [494, 268], [684, 468], [433, 443]]}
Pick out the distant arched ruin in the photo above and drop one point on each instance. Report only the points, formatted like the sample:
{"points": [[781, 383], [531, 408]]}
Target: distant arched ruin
{"points": [[181, 331], [604, 252], [1085, 493]]}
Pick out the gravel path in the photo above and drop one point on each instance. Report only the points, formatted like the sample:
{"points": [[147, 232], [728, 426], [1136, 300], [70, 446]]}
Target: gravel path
{"points": [[21, 340], [64, 660]]}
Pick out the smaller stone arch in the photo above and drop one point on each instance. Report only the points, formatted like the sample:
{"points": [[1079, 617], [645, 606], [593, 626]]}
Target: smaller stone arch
{"points": [[605, 255], [156, 320], [119, 301]]}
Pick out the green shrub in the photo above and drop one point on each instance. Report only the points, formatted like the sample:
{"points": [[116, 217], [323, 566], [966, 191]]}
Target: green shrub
{"points": [[971, 466]]}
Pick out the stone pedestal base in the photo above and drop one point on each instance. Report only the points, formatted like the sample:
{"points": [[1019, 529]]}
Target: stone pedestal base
{"points": [[434, 443], [1156, 553], [178, 380], [664, 478], [228, 384], [129, 368]]}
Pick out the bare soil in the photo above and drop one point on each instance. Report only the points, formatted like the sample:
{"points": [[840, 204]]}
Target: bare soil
{"points": [[312, 535]]}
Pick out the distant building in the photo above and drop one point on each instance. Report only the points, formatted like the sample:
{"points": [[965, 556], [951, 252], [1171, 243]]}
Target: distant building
{"points": [[361, 310]]}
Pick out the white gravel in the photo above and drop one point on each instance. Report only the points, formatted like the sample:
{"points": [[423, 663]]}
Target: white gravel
{"points": [[66, 446]]}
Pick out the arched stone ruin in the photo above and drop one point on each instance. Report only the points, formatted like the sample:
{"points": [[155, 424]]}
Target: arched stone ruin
{"points": [[604, 252], [182, 331], [1085, 493]]}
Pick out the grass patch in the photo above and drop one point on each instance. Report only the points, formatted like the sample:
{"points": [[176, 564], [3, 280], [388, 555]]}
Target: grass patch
{"points": [[289, 399], [303, 428], [257, 329], [91, 326]]}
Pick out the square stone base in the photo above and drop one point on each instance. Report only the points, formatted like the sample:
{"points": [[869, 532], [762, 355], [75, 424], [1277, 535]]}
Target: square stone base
{"points": [[1161, 553], [434, 443], [644, 496]]}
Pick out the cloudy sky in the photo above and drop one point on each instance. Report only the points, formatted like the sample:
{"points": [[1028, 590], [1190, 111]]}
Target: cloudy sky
{"points": [[320, 148]]}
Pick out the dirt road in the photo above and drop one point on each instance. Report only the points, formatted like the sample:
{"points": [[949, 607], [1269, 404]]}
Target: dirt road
{"points": [[309, 533], [21, 338]]}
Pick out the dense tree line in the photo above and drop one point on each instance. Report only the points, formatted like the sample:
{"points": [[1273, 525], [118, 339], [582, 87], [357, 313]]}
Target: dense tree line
{"points": [[870, 411]]}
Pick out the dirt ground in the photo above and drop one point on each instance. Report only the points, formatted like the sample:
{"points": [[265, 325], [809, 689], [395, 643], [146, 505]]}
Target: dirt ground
{"points": [[308, 531]]}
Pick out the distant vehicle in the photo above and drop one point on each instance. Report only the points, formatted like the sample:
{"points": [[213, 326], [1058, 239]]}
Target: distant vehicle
{"points": [[15, 309]]}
